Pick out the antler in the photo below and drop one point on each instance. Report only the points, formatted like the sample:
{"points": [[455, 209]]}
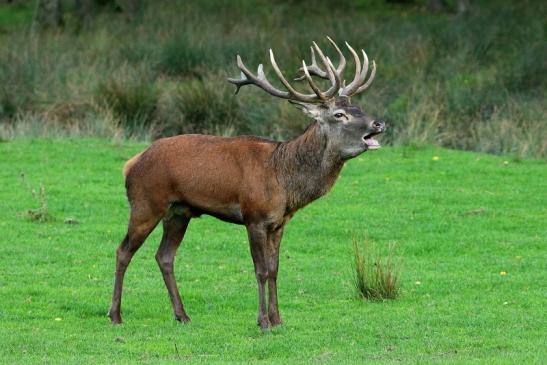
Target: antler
{"points": [[314, 68], [332, 73], [358, 84]]}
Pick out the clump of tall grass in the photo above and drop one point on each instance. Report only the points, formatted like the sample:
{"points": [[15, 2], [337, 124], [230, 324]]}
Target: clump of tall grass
{"points": [[376, 278], [516, 128], [41, 213]]}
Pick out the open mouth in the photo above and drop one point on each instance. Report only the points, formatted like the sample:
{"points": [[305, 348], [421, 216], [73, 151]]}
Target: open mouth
{"points": [[371, 143]]}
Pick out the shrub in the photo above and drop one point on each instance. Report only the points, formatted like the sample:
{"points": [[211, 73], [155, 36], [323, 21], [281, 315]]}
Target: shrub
{"points": [[376, 278], [8, 107], [181, 56], [199, 106], [132, 97]]}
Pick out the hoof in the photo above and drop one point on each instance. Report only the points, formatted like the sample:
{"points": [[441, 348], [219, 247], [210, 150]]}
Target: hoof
{"points": [[265, 328], [275, 320], [182, 318], [264, 325], [115, 318]]}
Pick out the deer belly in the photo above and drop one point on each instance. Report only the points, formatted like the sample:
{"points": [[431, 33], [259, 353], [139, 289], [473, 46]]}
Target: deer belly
{"points": [[231, 213]]}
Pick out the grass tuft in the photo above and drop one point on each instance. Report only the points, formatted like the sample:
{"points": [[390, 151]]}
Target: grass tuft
{"points": [[376, 278], [40, 214]]}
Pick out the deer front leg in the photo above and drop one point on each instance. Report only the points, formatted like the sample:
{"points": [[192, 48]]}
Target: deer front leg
{"points": [[274, 240], [258, 240]]}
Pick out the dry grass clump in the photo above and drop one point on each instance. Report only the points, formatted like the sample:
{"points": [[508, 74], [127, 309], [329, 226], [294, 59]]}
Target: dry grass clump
{"points": [[41, 213]]}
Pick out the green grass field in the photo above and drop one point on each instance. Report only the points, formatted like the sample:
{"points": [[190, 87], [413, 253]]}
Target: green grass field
{"points": [[460, 221]]}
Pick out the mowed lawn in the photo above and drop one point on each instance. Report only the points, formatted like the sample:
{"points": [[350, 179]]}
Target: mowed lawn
{"points": [[470, 230]]}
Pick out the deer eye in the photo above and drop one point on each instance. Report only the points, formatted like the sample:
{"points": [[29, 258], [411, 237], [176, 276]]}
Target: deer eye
{"points": [[339, 115]]}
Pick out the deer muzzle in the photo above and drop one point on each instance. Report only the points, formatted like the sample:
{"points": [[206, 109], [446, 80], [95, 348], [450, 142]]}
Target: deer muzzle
{"points": [[377, 126]]}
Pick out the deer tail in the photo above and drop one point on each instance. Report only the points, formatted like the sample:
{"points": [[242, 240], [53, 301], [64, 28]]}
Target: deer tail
{"points": [[129, 164]]}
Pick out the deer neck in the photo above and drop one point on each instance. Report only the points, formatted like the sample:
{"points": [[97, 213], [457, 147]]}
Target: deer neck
{"points": [[307, 167]]}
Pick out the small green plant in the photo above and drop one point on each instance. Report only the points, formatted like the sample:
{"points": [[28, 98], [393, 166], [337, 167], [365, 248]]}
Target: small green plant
{"points": [[40, 214], [376, 278]]}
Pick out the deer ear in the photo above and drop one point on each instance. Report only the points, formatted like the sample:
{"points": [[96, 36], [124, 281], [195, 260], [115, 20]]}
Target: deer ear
{"points": [[311, 110]]}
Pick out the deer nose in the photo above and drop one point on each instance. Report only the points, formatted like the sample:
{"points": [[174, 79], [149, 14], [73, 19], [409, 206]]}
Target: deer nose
{"points": [[379, 125]]}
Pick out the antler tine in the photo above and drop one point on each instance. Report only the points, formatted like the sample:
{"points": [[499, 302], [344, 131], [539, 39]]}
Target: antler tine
{"points": [[334, 76], [369, 81], [342, 64], [310, 81], [284, 81], [365, 64], [242, 81], [358, 78], [330, 72], [248, 78], [337, 80], [295, 94], [313, 69], [360, 85]]}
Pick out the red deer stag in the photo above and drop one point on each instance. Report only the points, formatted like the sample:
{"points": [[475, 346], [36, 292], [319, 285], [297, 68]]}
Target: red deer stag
{"points": [[251, 181]]}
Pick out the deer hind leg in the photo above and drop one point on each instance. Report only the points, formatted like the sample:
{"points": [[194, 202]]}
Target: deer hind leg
{"points": [[141, 223], [258, 241], [274, 240], [174, 227]]}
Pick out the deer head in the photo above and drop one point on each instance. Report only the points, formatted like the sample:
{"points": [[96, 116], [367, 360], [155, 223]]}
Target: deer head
{"points": [[348, 129]]}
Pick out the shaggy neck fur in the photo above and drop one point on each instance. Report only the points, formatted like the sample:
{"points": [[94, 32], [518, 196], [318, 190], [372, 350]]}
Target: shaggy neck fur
{"points": [[306, 167]]}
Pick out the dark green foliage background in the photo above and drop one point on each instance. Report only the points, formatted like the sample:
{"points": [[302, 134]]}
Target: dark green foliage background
{"points": [[473, 81]]}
